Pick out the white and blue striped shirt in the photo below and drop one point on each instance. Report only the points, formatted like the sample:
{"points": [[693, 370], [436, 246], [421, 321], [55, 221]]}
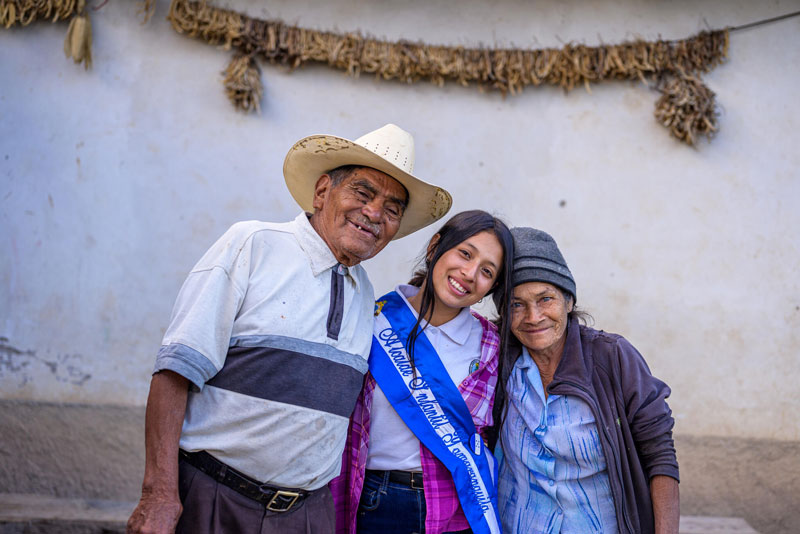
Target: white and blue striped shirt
{"points": [[553, 478]]}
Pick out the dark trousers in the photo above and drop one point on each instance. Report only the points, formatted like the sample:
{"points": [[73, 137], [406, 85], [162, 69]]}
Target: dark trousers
{"points": [[210, 507]]}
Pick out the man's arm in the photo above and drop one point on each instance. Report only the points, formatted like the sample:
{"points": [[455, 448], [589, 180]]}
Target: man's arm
{"points": [[666, 504], [160, 506]]}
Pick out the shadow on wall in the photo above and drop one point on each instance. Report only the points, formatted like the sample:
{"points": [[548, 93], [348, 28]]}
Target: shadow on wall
{"points": [[97, 452]]}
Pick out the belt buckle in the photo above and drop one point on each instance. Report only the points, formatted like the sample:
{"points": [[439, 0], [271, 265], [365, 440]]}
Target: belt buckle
{"points": [[413, 478], [281, 493]]}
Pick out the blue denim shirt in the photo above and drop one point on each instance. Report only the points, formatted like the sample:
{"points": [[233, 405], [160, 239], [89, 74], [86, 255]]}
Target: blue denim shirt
{"points": [[553, 477]]}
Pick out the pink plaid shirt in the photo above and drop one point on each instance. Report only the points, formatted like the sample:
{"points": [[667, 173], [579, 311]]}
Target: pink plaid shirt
{"points": [[444, 512]]}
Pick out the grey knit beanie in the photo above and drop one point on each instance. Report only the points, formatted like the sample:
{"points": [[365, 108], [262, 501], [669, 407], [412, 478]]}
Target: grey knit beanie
{"points": [[537, 259]]}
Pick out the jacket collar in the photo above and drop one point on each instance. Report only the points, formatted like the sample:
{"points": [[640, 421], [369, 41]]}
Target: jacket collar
{"points": [[574, 365]]}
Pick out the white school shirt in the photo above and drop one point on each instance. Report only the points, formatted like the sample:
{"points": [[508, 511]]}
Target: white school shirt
{"points": [[392, 445]]}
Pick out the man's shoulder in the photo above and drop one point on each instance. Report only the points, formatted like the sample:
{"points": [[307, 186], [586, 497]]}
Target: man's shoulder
{"points": [[264, 235], [246, 229], [237, 243]]}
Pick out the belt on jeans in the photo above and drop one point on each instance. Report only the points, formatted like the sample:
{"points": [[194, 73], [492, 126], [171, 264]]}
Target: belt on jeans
{"points": [[274, 498], [412, 479]]}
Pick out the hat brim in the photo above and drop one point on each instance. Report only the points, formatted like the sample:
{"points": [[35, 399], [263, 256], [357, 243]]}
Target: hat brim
{"points": [[313, 156]]}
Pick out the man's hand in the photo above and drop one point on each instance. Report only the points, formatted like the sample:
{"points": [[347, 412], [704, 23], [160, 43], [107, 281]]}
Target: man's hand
{"points": [[154, 515], [160, 507]]}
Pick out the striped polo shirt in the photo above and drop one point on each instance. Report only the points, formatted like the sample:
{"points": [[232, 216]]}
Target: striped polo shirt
{"points": [[272, 390]]}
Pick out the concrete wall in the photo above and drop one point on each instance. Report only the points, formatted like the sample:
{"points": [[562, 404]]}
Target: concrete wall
{"points": [[113, 182]]}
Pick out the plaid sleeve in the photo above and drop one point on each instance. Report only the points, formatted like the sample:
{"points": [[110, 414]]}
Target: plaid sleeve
{"points": [[346, 488]]}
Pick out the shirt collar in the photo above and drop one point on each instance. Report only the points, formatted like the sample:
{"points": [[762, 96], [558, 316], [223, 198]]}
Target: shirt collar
{"points": [[319, 254], [528, 367], [457, 329], [525, 361]]}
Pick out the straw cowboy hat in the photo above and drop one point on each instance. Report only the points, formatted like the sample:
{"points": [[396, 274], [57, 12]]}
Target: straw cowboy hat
{"points": [[388, 149]]}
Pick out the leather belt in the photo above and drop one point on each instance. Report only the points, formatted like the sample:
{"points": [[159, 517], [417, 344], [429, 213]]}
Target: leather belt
{"points": [[412, 479], [275, 499]]}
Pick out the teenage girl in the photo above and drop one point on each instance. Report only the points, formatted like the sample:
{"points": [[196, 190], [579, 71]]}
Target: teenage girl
{"points": [[415, 459]]}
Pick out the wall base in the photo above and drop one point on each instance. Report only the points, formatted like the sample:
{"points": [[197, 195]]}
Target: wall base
{"points": [[97, 452]]}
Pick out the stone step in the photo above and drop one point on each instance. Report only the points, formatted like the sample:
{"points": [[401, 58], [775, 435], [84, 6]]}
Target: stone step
{"points": [[35, 514], [693, 524]]}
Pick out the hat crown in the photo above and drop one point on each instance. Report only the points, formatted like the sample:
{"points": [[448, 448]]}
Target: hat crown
{"points": [[391, 143], [537, 258]]}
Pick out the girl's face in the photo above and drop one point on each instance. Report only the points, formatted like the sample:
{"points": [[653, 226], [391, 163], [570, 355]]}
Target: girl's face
{"points": [[465, 273]]}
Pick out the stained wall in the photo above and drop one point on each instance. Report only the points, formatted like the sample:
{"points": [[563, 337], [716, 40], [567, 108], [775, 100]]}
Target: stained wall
{"points": [[114, 181]]}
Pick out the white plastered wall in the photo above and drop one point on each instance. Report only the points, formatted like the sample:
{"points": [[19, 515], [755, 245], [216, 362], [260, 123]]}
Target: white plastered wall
{"points": [[114, 181]]}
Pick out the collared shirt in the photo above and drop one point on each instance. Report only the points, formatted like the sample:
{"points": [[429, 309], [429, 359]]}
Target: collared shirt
{"points": [[273, 392], [553, 476], [458, 343], [444, 512]]}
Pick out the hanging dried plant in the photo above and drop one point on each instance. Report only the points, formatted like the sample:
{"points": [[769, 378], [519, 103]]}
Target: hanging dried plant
{"points": [[148, 7], [503, 69], [23, 12], [686, 107], [78, 43], [243, 83]]}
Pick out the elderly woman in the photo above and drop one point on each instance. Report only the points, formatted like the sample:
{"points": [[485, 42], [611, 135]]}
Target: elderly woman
{"points": [[586, 433]]}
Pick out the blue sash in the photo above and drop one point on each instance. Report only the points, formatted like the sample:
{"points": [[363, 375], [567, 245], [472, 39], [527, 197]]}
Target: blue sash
{"points": [[433, 408]]}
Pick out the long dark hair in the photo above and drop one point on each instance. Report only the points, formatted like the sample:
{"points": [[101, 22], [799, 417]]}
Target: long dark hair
{"points": [[459, 228]]}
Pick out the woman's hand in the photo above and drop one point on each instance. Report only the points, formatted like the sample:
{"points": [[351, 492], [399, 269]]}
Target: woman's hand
{"points": [[666, 504]]}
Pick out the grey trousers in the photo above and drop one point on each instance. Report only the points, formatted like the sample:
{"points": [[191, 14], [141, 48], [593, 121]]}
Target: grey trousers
{"points": [[209, 507]]}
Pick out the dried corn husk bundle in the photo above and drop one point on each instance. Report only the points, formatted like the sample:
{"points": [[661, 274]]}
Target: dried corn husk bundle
{"points": [[23, 12], [198, 19], [78, 43], [147, 9], [686, 107], [503, 69], [243, 83]]}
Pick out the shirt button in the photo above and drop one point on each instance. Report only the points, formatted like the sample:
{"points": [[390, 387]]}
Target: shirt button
{"points": [[551, 482], [558, 512]]}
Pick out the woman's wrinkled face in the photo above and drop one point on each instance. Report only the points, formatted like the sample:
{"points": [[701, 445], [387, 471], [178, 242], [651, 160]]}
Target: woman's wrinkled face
{"points": [[539, 317]]}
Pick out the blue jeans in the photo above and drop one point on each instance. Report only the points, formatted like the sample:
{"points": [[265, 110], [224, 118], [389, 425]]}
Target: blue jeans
{"points": [[389, 508]]}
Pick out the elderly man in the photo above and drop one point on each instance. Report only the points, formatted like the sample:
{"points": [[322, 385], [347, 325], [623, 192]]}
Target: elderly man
{"points": [[266, 350]]}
